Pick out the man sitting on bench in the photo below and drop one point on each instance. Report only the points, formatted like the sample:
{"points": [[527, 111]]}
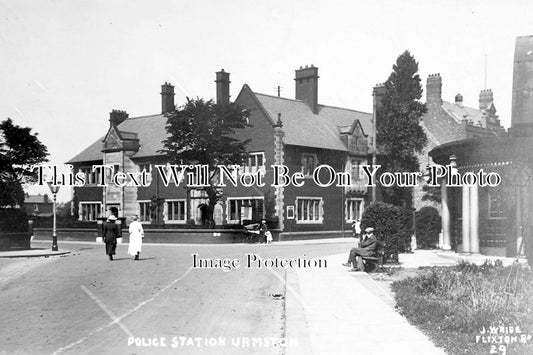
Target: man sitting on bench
{"points": [[367, 247]]}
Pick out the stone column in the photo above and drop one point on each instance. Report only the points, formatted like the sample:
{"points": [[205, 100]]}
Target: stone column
{"points": [[446, 245], [466, 219], [474, 219]]}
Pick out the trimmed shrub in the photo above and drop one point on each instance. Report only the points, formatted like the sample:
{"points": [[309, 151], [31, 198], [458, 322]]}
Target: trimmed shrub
{"points": [[428, 225], [13, 220], [393, 225]]}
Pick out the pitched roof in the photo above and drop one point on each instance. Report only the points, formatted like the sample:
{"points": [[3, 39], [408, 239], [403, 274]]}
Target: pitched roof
{"points": [[460, 112], [150, 130], [304, 128], [301, 126]]}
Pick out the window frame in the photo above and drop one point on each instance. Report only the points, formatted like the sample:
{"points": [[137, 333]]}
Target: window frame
{"points": [[319, 206], [229, 201], [166, 211], [347, 215], [490, 204], [141, 216], [304, 160], [81, 213]]}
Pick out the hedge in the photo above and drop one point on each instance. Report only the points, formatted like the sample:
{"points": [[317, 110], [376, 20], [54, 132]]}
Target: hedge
{"points": [[428, 226], [393, 225]]}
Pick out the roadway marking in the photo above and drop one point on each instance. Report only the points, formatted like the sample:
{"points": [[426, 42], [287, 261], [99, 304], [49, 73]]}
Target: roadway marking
{"points": [[118, 319], [111, 315]]}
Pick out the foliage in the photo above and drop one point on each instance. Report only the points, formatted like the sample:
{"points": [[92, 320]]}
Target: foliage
{"points": [[393, 225], [432, 193], [202, 132], [428, 225], [399, 134], [13, 220], [454, 303], [19, 151]]}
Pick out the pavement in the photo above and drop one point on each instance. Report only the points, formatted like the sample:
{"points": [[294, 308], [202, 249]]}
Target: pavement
{"points": [[337, 311]]}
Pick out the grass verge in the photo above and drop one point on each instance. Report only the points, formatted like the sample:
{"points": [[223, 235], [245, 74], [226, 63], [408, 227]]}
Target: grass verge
{"points": [[471, 309]]}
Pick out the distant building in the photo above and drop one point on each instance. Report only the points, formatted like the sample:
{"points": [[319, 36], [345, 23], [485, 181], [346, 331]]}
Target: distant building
{"points": [[38, 205], [299, 133], [447, 121]]}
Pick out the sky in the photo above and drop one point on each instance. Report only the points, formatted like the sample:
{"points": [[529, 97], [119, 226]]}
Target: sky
{"points": [[65, 64]]}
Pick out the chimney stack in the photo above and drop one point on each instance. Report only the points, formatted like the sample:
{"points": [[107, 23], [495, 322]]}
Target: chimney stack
{"points": [[222, 86], [116, 117], [307, 86], [167, 98], [378, 92], [486, 98], [434, 90]]}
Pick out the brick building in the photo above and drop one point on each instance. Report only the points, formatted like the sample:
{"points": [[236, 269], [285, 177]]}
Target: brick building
{"points": [[447, 121], [494, 220], [299, 133]]}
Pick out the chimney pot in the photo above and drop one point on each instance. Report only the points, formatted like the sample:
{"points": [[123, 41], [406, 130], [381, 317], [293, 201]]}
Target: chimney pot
{"points": [[434, 90], [167, 98], [307, 86], [222, 86], [116, 117]]}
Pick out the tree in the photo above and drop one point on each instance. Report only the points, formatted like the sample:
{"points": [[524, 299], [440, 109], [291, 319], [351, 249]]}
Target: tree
{"points": [[399, 134], [19, 151], [202, 132]]}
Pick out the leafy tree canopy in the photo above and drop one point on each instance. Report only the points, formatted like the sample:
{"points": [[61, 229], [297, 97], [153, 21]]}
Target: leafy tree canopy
{"points": [[202, 132], [399, 134], [19, 151], [207, 133]]}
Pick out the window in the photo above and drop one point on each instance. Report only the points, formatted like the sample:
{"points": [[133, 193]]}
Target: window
{"points": [[309, 163], [91, 177], [309, 210], [176, 211], [35, 208], [145, 166], [255, 161], [353, 209], [148, 168], [90, 211], [496, 209], [144, 211], [245, 209], [355, 171]]}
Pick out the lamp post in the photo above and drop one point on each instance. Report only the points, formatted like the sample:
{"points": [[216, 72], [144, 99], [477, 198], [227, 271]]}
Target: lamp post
{"points": [[54, 189]]}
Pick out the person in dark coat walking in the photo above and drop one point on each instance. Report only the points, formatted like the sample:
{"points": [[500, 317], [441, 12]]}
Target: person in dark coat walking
{"points": [[367, 247], [262, 230], [111, 233]]}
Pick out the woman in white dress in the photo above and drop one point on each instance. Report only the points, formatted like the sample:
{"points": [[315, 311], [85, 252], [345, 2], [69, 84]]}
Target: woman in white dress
{"points": [[136, 238]]}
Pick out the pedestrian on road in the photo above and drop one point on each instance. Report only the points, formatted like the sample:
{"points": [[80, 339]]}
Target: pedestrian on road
{"points": [[111, 233], [367, 247], [356, 227], [262, 231], [136, 237]]}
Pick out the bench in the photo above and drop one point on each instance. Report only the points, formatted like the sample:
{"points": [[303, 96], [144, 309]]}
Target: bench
{"points": [[373, 263]]}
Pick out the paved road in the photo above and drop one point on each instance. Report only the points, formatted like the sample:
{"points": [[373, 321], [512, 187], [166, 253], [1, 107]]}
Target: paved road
{"points": [[83, 303]]}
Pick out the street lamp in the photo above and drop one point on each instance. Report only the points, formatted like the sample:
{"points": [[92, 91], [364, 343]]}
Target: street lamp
{"points": [[54, 189]]}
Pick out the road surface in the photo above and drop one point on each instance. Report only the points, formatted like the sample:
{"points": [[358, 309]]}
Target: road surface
{"points": [[82, 303]]}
